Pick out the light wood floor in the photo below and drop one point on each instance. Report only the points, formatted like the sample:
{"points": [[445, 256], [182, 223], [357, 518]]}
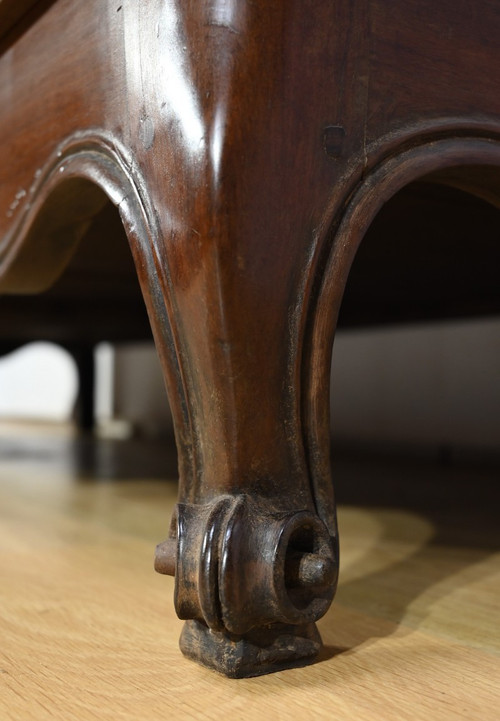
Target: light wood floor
{"points": [[88, 631]]}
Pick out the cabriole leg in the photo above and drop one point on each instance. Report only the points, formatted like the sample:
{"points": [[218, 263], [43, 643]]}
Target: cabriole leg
{"points": [[229, 283]]}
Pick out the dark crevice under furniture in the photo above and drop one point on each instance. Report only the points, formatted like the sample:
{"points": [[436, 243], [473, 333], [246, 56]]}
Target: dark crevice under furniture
{"points": [[245, 149]]}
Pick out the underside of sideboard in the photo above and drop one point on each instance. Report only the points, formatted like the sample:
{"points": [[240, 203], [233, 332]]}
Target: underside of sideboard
{"points": [[246, 151]]}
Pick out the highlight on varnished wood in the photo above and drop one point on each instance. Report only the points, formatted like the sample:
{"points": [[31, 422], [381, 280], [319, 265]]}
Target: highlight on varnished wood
{"points": [[247, 148]]}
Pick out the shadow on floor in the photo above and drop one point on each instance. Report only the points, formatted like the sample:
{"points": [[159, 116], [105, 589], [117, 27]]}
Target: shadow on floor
{"points": [[421, 503], [443, 516]]}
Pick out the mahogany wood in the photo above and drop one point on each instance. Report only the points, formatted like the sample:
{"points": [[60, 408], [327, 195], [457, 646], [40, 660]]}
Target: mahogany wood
{"points": [[248, 147]]}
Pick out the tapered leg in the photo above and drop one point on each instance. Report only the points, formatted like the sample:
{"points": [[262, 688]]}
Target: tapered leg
{"points": [[247, 147], [253, 542], [222, 152]]}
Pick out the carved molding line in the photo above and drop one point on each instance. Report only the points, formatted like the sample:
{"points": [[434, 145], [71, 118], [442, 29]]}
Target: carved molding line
{"points": [[97, 168], [403, 162], [95, 157]]}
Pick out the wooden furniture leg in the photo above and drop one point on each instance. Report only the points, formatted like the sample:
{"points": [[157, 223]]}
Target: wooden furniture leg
{"points": [[205, 167], [247, 146], [85, 405]]}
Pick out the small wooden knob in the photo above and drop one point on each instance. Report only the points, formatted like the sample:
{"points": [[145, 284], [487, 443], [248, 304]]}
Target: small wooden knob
{"points": [[165, 557], [308, 569]]}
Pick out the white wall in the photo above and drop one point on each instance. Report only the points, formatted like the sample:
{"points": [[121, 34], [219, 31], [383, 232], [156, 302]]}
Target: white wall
{"points": [[437, 384], [38, 381], [140, 395]]}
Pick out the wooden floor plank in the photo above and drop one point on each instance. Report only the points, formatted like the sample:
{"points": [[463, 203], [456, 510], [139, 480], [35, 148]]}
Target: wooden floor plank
{"points": [[88, 631]]}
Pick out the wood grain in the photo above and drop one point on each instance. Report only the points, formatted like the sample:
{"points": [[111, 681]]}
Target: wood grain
{"points": [[88, 631], [247, 148]]}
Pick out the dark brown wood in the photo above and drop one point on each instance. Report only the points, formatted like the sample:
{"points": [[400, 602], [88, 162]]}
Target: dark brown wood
{"points": [[11, 11], [247, 147]]}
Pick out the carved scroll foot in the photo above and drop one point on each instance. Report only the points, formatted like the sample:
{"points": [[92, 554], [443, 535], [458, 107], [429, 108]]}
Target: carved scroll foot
{"points": [[250, 581], [260, 651]]}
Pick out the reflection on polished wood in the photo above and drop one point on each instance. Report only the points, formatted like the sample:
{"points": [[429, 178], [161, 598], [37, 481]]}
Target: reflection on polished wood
{"points": [[247, 148], [87, 631]]}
